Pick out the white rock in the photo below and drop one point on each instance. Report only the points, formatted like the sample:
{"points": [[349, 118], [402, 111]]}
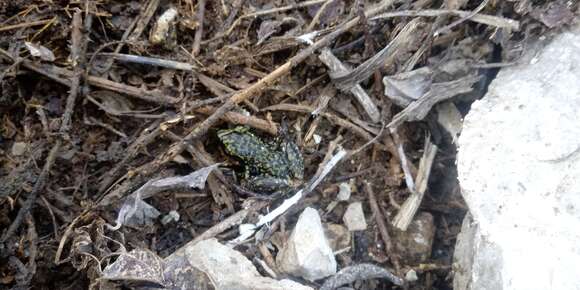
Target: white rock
{"points": [[229, 269], [172, 216], [354, 217], [472, 247], [18, 148], [307, 253], [519, 169], [411, 276], [317, 139], [344, 192]]}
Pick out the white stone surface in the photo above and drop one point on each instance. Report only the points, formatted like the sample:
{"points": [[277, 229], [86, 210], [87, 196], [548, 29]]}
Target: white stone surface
{"points": [[477, 261], [519, 169], [354, 217], [343, 192], [18, 148], [307, 253], [228, 269]]}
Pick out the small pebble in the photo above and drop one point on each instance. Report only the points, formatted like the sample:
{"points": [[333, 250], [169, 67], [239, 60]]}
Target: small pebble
{"points": [[411, 276], [317, 139], [343, 192], [18, 148], [170, 217], [354, 217]]}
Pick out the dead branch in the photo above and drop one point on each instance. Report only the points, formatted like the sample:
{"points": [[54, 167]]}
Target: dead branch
{"points": [[479, 18], [448, 27], [199, 31], [405, 215], [38, 186], [380, 219], [25, 24], [241, 119], [77, 55]]}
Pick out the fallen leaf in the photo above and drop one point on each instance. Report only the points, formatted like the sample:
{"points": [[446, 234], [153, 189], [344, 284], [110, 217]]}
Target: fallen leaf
{"points": [[139, 266], [136, 212], [40, 51], [407, 87]]}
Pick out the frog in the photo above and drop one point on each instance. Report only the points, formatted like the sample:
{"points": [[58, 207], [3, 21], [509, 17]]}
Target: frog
{"points": [[269, 166]]}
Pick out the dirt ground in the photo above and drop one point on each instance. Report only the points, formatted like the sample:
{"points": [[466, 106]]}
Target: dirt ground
{"points": [[99, 97]]}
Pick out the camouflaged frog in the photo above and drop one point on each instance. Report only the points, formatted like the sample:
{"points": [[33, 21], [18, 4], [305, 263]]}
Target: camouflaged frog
{"points": [[268, 166]]}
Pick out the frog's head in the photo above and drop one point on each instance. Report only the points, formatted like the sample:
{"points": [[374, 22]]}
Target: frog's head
{"points": [[231, 139]]}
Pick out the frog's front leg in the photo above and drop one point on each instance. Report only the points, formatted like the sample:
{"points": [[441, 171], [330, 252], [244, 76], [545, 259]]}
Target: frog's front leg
{"points": [[268, 184]]}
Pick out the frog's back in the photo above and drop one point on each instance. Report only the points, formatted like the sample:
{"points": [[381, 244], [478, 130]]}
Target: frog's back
{"points": [[260, 157]]}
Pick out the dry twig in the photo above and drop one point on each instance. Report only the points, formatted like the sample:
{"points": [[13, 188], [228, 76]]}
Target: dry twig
{"points": [[380, 219], [479, 18], [411, 205], [25, 24], [199, 31]]}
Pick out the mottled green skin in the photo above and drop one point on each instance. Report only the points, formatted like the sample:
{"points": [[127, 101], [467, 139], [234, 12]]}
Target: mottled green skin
{"points": [[269, 167]]}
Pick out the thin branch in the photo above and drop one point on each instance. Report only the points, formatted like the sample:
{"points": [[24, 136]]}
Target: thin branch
{"points": [[25, 24], [479, 18], [38, 186], [77, 55], [380, 219], [270, 11], [199, 31], [447, 28], [411, 205], [177, 65]]}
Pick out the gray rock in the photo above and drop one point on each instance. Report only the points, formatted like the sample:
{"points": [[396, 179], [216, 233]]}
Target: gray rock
{"points": [[416, 242], [519, 169], [354, 217], [229, 269], [307, 253]]}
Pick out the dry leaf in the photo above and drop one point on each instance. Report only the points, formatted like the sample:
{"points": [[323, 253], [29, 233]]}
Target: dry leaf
{"points": [[40, 51], [139, 268], [135, 212], [407, 87]]}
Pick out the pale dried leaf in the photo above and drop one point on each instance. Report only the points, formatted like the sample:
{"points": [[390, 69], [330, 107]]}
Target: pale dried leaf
{"points": [[40, 51], [554, 14], [406, 87], [136, 212], [138, 267], [267, 28], [194, 180], [331, 13]]}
